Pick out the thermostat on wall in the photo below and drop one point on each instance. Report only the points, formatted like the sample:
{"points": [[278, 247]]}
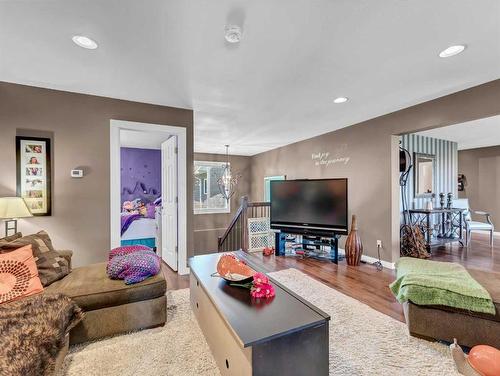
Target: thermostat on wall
{"points": [[77, 173]]}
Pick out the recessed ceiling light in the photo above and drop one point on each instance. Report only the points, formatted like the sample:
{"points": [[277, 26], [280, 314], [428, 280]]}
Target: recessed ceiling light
{"points": [[452, 50], [340, 100], [84, 42], [233, 33]]}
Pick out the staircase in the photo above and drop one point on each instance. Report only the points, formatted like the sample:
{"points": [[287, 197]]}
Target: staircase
{"points": [[236, 235]]}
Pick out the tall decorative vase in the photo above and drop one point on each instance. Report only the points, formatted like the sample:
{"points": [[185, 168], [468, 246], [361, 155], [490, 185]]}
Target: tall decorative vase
{"points": [[353, 245]]}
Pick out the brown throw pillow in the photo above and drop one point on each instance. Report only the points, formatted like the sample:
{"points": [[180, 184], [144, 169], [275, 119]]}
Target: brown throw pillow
{"points": [[51, 265], [10, 238]]}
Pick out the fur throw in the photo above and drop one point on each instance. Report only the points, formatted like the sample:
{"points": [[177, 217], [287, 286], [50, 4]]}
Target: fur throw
{"points": [[33, 331]]}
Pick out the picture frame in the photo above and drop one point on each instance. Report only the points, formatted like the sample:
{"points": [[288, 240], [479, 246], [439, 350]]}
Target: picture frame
{"points": [[34, 169]]}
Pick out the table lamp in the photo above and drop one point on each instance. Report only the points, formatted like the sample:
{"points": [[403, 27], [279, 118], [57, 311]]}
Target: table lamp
{"points": [[12, 208]]}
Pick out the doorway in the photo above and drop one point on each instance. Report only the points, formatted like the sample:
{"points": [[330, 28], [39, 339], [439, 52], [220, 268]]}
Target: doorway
{"points": [[267, 186], [454, 197], [163, 206]]}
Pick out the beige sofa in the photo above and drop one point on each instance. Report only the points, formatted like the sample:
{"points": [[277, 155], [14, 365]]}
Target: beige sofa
{"points": [[446, 323], [111, 307]]}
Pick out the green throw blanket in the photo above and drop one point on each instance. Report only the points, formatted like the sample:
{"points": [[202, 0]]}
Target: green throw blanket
{"points": [[425, 282]]}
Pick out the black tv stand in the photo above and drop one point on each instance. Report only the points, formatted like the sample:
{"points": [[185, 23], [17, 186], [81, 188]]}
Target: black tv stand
{"points": [[313, 246]]}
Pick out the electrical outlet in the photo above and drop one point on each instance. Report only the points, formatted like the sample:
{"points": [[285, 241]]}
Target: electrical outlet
{"points": [[379, 243]]}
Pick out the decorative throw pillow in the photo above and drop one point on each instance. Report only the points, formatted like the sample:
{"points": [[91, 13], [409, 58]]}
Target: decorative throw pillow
{"points": [[51, 265], [150, 211], [11, 238], [18, 275]]}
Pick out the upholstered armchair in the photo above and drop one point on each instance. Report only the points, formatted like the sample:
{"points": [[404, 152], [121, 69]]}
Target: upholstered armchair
{"points": [[469, 224]]}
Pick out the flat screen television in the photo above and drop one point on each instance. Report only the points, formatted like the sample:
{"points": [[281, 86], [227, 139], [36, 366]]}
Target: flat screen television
{"points": [[313, 207]]}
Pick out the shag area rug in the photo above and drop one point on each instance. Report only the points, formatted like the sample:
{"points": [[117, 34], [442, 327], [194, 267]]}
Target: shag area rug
{"points": [[178, 348], [363, 341]]}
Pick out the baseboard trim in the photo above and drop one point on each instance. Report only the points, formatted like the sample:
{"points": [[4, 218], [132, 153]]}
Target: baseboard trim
{"points": [[371, 260], [364, 258]]}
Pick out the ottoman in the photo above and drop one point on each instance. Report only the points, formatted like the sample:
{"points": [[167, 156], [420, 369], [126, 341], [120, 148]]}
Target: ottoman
{"points": [[110, 306], [446, 323]]}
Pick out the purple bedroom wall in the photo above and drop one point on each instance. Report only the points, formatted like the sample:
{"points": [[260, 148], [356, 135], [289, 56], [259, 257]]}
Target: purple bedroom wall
{"points": [[140, 166]]}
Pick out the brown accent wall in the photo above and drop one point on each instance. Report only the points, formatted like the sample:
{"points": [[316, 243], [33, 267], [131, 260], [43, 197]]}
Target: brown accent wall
{"points": [[208, 227], [482, 169], [79, 127], [372, 169]]}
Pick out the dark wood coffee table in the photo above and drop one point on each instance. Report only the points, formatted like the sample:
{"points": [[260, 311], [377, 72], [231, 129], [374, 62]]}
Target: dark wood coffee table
{"points": [[283, 336]]}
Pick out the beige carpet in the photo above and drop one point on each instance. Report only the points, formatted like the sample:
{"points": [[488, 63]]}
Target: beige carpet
{"points": [[178, 348], [362, 341]]}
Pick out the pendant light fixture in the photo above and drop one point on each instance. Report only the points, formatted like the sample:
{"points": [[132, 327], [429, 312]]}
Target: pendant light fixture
{"points": [[227, 182]]}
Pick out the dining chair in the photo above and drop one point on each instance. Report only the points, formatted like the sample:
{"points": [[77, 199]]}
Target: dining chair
{"points": [[469, 224]]}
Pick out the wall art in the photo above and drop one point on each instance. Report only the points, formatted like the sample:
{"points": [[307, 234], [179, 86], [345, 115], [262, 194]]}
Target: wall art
{"points": [[33, 173]]}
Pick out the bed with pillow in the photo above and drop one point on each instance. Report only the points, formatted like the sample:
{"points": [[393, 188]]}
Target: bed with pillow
{"points": [[141, 231], [140, 222]]}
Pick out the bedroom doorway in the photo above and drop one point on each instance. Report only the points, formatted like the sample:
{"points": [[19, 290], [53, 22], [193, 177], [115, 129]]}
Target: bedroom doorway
{"points": [[148, 189]]}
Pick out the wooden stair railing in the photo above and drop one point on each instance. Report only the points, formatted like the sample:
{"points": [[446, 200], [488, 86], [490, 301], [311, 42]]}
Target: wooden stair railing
{"points": [[236, 235]]}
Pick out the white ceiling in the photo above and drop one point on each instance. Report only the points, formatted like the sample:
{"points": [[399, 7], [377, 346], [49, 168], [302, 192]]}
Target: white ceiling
{"points": [[470, 135], [142, 140], [278, 84]]}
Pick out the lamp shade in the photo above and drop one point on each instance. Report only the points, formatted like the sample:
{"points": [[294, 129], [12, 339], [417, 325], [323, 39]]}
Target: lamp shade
{"points": [[13, 207]]}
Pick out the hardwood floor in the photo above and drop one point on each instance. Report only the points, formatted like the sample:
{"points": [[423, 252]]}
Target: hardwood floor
{"points": [[365, 283], [174, 280], [479, 255]]}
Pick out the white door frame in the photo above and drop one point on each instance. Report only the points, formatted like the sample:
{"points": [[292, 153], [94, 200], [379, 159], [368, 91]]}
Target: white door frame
{"points": [[115, 188]]}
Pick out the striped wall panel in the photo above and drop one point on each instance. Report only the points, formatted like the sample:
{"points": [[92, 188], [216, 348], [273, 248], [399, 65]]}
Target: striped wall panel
{"points": [[446, 173]]}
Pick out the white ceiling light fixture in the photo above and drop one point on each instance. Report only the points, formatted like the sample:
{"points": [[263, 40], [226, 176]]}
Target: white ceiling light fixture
{"points": [[340, 100], [452, 50], [233, 33], [84, 42]]}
